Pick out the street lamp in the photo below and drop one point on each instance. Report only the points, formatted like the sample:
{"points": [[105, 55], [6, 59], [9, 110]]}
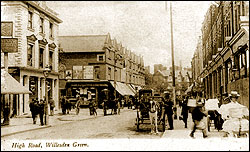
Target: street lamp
{"points": [[46, 72]]}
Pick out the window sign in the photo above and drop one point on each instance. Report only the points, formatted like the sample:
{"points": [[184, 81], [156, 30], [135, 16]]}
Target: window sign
{"points": [[77, 72], [88, 72], [6, 28], [68, 74], [9, 45]]}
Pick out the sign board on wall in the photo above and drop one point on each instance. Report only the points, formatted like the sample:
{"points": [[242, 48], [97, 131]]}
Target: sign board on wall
{"points": [[88, 72], [6, 28], [9, 45], [77, 72]]}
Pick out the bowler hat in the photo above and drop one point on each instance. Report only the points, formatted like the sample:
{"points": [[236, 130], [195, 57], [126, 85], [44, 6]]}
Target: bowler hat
{"points": [[234, 94]]}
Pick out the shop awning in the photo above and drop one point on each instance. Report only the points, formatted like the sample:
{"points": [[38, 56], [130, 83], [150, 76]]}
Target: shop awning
{"points": [[10, 85], [122, 88], [133, 87]]}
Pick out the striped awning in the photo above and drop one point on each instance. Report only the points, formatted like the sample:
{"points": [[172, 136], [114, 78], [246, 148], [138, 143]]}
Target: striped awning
{"points": [[122, 88], [10, 85]]}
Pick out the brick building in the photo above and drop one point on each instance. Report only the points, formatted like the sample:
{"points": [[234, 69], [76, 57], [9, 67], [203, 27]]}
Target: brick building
{"points": [[225, 49], [92, 63]]}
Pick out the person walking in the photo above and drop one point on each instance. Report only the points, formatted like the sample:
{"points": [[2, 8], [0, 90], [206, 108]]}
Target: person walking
{"points": [[118, 106], [41, 111], [197, 115], [52, 106], [77, 105], [168, 110], [34, 108], [63, 105], [184, 110], [68, 105]]}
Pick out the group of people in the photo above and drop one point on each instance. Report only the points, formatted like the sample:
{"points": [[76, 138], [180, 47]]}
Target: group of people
{"points": [[154, 109], [65, 105], [38, 107], [222, 118]]}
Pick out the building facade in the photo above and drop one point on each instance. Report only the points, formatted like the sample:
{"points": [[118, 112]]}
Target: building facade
{"points": [[36, 28], [225, 49], [93, 63]]}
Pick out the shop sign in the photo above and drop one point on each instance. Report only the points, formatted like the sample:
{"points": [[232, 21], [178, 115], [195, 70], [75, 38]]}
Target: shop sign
{"points": [[88, 72], [6, 28], [9, 45]]}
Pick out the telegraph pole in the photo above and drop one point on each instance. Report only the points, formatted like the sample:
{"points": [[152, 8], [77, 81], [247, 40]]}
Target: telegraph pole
{"points": [[173, 67]]}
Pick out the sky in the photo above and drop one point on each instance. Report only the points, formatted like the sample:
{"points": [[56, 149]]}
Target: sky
{"points": [[141, 26]]}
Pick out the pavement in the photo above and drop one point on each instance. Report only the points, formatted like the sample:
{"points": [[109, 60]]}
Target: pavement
{"points": [[24, 123]]}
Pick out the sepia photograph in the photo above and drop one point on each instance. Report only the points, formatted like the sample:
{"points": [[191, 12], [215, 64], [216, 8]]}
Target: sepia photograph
{"points": [[125, 75]]}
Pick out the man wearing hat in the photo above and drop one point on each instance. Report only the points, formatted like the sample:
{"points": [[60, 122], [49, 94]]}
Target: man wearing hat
{"points": [[168, 109], [197, 115], [231, 113]]}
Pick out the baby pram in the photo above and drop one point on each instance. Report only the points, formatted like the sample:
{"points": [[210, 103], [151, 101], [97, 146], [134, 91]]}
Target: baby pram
{"points": [[214, 117]]}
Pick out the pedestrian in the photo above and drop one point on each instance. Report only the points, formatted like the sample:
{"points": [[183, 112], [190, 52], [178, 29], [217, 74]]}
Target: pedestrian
{"points": [[118, 107], [63, 105], [68, 105], [94, 108], [153, 115], [184, 110], [91, 107], [197, 115], [129, 102], [52, 106], [34, 108], [41, 111], [233, 114], [77, 105], [122, 102], [168, 110]]}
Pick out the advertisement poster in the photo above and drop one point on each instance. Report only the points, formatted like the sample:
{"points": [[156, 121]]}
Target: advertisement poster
{"points": [[68, 74], [77, 72], [88, 72]]}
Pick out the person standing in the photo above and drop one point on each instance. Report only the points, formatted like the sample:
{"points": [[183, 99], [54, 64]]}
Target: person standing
{"points": [[168, 106], [52, 106], [184, 110], [197, 115], [41, 111], [153, 115], [34, 108], [77, 105], [68, 105], [63, 105]]}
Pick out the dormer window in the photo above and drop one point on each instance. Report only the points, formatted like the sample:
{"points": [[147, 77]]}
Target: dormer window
{"points": [[100, 58]]}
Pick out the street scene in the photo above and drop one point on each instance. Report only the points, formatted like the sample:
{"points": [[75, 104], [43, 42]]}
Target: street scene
{"points": [[125, 75]]}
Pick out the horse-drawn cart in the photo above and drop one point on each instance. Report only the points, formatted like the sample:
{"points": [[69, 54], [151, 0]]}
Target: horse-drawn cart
{"points": [[144, 106]]}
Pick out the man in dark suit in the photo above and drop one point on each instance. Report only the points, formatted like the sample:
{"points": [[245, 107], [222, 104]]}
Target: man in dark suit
{"points": [[168, 107]]}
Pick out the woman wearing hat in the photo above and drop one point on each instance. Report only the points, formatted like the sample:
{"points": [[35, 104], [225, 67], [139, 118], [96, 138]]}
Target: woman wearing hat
{"points": [[231, 113]]}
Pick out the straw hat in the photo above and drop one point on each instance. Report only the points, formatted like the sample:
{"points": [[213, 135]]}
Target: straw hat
{"points": [[234, 94]]}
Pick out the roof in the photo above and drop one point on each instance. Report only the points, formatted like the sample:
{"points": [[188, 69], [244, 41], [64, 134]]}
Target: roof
{"points": [[83, 43], [10, 85]]}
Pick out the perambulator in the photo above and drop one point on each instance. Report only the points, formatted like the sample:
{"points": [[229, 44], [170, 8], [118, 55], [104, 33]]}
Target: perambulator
{"points": [[214, 117]]}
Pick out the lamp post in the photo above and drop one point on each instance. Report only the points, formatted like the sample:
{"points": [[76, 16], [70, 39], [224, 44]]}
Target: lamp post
{"points": [[46, 72]]}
